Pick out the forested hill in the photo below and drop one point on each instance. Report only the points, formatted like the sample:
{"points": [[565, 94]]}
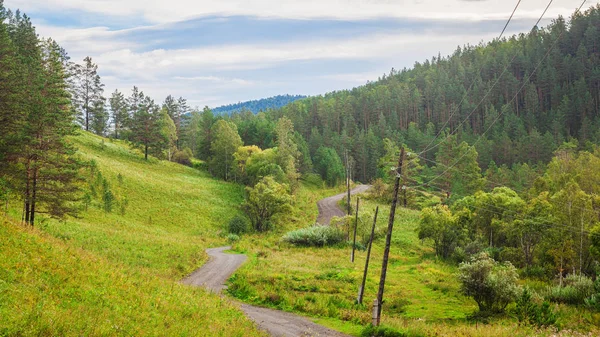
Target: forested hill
{"points": [[256, 106], [549, 93]]}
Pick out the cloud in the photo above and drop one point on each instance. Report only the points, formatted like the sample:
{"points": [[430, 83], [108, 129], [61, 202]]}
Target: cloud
{"points": [[177, 10]]}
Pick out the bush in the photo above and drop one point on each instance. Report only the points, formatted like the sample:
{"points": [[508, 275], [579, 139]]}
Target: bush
{"points": [[316, 235], [529, 312], [593, 302], [233, 238], [575, 291], [238, 225], [491, 284], [183, 157]]}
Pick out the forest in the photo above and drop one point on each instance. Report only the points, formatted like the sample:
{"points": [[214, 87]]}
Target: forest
{"points": [[256, 106]]}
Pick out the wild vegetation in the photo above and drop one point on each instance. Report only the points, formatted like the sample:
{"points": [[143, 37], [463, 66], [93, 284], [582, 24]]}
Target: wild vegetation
{"points": [[499, 225]]}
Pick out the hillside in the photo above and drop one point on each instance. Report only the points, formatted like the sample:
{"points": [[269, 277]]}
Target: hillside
{"points": [[256, 106], [516, 99], [116, 273]]}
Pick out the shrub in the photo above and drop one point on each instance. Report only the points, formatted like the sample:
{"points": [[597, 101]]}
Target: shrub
{"points": [[529, 312], [593, 302], [233, 238], [316, 235], [238, 225], [491, 284], [575, 291], [183, 157]]}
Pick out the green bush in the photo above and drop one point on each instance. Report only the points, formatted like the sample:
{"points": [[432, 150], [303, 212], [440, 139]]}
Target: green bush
{"points": [[238, 225], [233, 238], [575, 290], [593, 302], [316, 235], [183, 157], [529, 312], [491, 284]]}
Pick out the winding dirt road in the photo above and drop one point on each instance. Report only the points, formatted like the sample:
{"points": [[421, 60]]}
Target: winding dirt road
{"points": [[219, 268], [328, 207]]}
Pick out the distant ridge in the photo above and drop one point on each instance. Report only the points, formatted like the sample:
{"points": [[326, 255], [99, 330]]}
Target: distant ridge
{"points": [[255, 106]]}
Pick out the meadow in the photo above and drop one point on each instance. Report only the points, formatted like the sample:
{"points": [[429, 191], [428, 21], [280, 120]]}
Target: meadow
{"points": [[422, 293], [117, 273]]}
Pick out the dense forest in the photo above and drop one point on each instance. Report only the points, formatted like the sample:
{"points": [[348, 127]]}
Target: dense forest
{"points": [[256, 106]]}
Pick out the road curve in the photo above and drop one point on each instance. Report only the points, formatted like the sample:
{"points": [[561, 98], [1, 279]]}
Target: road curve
{"points": [[215, 273], [328, 207]]}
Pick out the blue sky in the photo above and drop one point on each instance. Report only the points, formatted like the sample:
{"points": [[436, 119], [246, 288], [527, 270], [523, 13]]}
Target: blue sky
{"points": [[215, 52]]}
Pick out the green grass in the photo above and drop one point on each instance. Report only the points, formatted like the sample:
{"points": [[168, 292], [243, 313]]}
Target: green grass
{"points": [[421, 295], [112, 274]]}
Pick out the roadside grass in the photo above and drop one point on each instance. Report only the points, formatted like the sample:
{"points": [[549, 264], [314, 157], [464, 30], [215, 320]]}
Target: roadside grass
{"points": [[51, 288], [422, 296]]}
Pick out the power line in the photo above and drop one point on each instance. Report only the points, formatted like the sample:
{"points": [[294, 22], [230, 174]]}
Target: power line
{"points": [[525, 81], [478, 72], [428, 148]]}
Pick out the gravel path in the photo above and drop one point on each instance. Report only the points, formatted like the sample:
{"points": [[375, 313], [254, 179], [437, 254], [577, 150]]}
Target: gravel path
{"points": [[328, 207], [219, 268], [278, 323]]}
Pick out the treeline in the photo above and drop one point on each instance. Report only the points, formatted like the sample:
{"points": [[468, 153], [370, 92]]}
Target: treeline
{"points": [[549, 93], [37, 163], [256, 106]]}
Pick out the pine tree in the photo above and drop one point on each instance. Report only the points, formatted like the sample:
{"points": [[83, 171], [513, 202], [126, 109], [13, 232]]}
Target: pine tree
{"points": [[88, 92], [119, 113], [145, 126]]}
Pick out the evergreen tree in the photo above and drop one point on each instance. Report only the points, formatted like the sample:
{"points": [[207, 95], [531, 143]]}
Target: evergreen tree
{"points": [[119, 113], [88, 93]]}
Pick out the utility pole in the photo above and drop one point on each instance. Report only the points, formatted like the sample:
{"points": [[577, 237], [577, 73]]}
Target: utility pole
{"points": [[388, 238], [355, 227], [361, 290], [348, 181]]}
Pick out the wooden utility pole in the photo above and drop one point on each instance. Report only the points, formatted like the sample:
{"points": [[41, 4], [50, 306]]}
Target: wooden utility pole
{"points": [[355, 228], [388, 238], [361, 290], [348, 181]]}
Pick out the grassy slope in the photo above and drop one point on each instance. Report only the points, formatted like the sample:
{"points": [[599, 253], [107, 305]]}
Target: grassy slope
{"points": [[112, 274], [422, 294]]}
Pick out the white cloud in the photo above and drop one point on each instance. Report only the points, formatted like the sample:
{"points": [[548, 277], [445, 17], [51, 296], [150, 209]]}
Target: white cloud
{"points": [[176, 10]]}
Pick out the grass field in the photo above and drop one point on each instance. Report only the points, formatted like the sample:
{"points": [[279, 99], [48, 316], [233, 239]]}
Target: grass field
{"points": [[113, 274], [421, 295]]}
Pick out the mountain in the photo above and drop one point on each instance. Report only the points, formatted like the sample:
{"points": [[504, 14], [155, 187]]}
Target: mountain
{"points": [[256, 106]]}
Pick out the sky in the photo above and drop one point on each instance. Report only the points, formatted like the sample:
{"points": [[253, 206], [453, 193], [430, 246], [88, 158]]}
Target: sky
{"points": [[215, 52]]}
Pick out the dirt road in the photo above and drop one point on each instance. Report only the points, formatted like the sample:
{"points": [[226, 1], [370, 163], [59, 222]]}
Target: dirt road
{"points": [[278, 323], [215, 273], [328, 207]]}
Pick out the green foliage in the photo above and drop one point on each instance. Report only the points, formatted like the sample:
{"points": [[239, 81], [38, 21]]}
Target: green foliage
{"points": [[446, 231], [529, 312], [315, 236], [238, 225], [575, 290], [491, 284], [225, 142], [231, 238], [183, 157], [329, 165], [265, 200]]}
